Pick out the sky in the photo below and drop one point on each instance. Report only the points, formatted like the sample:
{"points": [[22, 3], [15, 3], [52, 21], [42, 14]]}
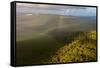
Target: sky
{"points": [[27, 8]]}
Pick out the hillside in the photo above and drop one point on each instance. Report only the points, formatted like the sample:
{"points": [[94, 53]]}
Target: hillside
{"points": [[83, 48]]}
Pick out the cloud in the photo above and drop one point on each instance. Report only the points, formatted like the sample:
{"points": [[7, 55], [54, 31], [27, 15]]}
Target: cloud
{"points": [[46, 6], [55, 9]]}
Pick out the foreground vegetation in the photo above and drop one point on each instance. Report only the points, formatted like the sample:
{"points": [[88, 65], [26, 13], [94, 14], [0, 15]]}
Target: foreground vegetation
{"points": [[83, 48]]}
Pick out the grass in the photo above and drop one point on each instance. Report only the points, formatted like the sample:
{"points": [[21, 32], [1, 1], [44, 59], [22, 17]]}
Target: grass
{"points": [[82, 49]]}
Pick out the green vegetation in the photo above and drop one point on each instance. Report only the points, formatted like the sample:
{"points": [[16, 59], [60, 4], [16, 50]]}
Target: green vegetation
{"points": [[83, 48]]}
